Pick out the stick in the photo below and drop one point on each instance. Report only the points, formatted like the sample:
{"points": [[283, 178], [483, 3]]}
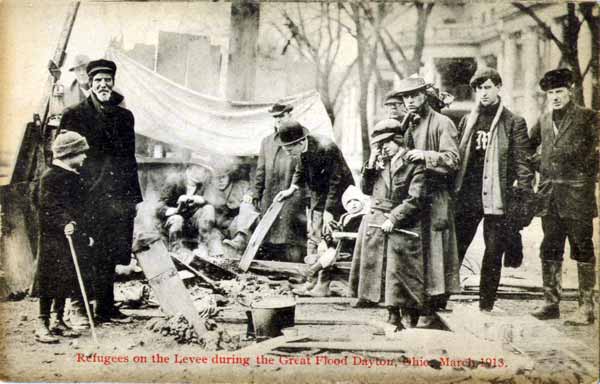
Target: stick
{"points": [[410, 233], [82, 287]]}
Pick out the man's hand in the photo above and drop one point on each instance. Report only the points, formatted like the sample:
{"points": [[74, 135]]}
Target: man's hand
{"points": [[286, 193], [373, 157], [170, 221], [247, 198], [70, 228], [170, 211], [327, 221], [198, 200], [415, 155], [387, 226], [182, 199], [91, 242]]}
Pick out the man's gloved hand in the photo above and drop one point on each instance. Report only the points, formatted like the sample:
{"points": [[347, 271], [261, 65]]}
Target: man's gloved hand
{"points": [[197, 200], [182, 199], [170, 211]]}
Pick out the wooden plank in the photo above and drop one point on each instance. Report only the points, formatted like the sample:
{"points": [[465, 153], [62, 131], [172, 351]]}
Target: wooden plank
{"points": [[267, 345], [380, 346], [244, 320], [170, 292], [259, 234]]}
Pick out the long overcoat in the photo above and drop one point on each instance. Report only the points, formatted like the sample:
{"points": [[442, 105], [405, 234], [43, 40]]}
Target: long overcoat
{"points": [[390, 266], [437, 136], [110, 172], [274, 172], [569, 162], [61, 201]]}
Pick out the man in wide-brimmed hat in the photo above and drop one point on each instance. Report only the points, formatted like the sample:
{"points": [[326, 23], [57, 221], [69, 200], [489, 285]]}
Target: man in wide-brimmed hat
{"points": [[286, 240], [79, 89], [435, 141], [567, 138], [111, 176], [322, 169], [494, 149]]}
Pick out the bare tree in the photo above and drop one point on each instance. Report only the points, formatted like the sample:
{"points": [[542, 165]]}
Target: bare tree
{"points": [[320, 45], [568, 43]]}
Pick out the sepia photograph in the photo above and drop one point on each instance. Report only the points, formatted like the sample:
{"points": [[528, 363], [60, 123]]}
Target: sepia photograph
{"points": [[312, 191]]}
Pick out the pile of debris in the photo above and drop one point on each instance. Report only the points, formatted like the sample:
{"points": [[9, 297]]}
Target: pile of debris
{"points": [[249, 288], [214, 340]]}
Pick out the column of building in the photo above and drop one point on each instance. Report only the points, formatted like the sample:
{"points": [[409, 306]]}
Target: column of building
{"points": [[508, 68], [531, 62]]}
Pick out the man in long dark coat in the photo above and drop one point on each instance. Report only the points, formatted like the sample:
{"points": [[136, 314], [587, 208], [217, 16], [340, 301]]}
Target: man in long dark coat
{"points": [[567, 137], [112, 179], [62, 211], [494, 148], [323, 170], [383, 256], [287, 237]]}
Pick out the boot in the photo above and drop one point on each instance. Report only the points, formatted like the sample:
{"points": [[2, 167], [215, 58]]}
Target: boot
{"points": [[410, 317], [303, 290], [587, 280], [42, 332], [321, 289], [60, 328], [77, 316], [551, 279], [238, 242], [394, 316]]}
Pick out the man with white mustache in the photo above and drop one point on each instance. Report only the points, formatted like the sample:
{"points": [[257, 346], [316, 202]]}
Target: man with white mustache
{"points": [[110, 175]]}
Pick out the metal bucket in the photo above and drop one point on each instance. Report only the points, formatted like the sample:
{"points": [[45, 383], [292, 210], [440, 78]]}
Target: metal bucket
{"points": [[271, 314]]}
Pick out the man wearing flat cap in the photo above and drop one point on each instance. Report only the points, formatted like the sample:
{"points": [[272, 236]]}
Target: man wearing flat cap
{"points": [[567, 139], [494, 149], [111, 178], [387, 264], [286, 239], [323, 170], [394, 107], [435, 141]]}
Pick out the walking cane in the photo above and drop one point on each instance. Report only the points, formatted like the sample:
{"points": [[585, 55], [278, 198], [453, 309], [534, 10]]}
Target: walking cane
{"points": [[82, 287]]}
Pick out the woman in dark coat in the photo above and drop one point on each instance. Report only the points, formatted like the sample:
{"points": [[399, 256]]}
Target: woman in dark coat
{"points": [[388, 263], [61, 213]]}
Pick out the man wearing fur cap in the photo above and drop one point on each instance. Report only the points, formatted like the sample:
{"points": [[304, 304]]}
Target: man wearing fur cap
{"points": [[567, 137], [494, 148]]}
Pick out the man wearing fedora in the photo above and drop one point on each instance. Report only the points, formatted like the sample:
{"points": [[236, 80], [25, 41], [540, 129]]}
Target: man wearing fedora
{"points": [[286, 239], [323, 170], [434, 140], [567, 140], [494, 150], [111, 178], [79, 89]]}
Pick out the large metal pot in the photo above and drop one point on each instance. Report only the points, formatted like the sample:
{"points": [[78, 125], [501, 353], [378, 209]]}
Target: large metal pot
{"points": [[271, 314]]}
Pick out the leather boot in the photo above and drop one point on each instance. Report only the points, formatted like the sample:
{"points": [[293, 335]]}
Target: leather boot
{"points": [[238, 242], [78, 316], [552, 282], [321, 289], [410, 317], [60, 328], [587, 280], [303, 290], [394, 316], [42, 332]]}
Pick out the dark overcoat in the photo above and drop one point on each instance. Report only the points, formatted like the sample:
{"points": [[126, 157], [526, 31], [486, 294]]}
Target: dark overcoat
{"points": [[274, 172], [391, 266], [324, 171], [61, 201], [569, 162], [110, 172]]}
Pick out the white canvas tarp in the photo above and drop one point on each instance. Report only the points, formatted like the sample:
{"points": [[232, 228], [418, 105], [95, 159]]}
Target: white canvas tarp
{"points": [[173, 114]]}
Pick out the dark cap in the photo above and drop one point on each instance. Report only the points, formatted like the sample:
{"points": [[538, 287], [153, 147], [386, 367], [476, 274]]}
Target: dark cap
{"points": [[556, 78], [484, 74], [411, 84], [392, 97], [291, 132], [279, 108], [101, 66], [385, 130]]}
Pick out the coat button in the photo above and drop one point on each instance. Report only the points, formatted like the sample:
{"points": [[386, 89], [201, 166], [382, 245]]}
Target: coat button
{"points": [[485, 193], [372, 211]]}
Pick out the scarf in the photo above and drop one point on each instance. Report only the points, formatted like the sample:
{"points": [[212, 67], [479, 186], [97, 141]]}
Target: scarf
{"points": [[491, 193]]}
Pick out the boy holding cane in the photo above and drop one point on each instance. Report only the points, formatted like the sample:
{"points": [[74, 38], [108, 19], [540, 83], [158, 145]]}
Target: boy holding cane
{"points": [[61, 214]]}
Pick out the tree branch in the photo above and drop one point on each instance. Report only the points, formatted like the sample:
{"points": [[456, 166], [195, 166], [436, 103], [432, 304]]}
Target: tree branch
{"points": [[545, 27]]}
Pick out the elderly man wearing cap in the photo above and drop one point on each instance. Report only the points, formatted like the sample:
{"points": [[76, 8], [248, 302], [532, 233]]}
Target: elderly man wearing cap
{"points": [[62, 211], [111, 176], [384, 256], [435, 141], [394, 107], [323, 170], [494, 148], [286, 239], [567, 137]]}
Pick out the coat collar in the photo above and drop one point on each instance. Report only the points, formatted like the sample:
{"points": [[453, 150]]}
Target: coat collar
{"points": [[566, 122]]}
